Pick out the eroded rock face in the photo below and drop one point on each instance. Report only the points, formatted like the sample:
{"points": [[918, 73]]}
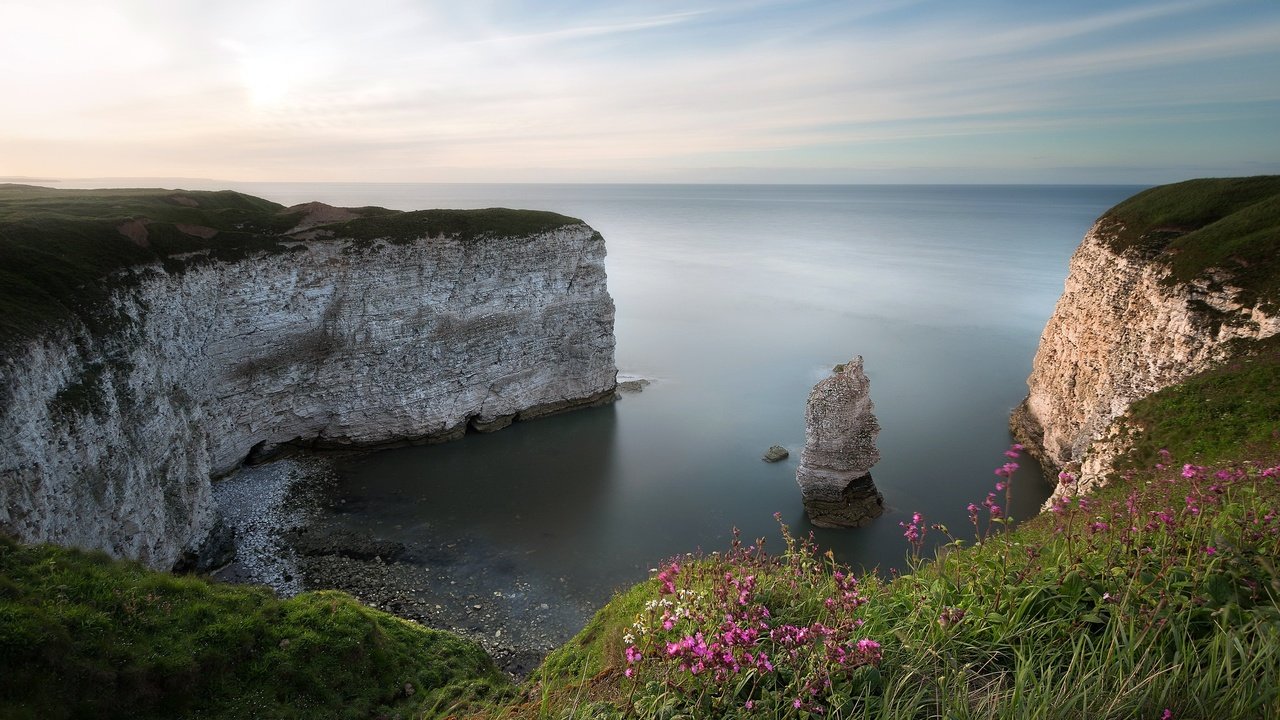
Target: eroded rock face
{"points": [[1120, 332], [840, 448], [110, 440]]}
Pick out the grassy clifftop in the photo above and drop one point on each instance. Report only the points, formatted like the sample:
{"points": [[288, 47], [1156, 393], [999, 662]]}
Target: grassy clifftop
{"points": [[63, 251], [1201, 228]]}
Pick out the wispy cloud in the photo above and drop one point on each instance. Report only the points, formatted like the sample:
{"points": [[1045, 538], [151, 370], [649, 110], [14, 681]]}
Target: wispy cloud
{"points": [[406, 89]]}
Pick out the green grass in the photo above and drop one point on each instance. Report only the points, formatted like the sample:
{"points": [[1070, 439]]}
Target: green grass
{"points": [[1225, 412], [463, 224], [85, 636], [1102, 611], [62, 252], [1229, 225]]}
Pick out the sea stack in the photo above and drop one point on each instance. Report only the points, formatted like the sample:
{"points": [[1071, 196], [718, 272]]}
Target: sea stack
{"points": [[839, 450]]}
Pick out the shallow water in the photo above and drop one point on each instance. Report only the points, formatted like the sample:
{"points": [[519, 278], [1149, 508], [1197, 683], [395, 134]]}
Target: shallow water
{"points": [[735, 300]]}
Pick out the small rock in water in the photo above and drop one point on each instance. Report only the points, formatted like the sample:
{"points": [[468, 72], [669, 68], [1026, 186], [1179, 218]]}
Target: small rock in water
{"points": [[632, 383], [775, 453]]}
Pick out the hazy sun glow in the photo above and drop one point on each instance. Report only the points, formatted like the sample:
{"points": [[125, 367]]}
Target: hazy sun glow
{"points": [[717, 90]]}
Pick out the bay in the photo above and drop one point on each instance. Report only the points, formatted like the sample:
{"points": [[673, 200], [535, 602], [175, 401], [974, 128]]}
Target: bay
{"points": [[734, 300]]}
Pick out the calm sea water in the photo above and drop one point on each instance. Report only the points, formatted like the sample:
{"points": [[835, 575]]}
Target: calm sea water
{"points": [[735, 300]]}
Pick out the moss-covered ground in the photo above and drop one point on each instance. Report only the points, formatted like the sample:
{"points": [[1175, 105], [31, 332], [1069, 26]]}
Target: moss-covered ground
{"points": [[84, 636]]}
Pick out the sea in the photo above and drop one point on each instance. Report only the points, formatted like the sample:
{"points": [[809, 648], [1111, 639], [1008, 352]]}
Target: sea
{"points": [[733, 301]]}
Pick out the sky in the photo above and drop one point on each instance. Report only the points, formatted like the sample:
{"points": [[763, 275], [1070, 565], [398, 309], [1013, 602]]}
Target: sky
{"points": [[640, 91]]}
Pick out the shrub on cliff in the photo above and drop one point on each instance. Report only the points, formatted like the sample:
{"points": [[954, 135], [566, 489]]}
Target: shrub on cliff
{"points": [[82, 635]]}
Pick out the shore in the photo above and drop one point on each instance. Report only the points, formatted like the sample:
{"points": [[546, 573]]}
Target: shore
{"points": [[292, 536]]}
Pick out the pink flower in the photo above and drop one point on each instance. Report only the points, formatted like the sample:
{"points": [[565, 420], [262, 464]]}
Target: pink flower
{"points": [[1210, 550], [1166, 715], [1007, 470]]}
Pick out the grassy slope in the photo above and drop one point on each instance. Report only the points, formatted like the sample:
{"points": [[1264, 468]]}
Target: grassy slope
{"points": [[1102, 611], [85, 636], [1231, 225], [1228, 412], [62, 253]]}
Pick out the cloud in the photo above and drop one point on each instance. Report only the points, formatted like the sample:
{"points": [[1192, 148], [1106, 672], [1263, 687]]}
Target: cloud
{"points": [[305, 87]]}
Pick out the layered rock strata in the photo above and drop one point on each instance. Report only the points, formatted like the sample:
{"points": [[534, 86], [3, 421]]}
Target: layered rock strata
{"points": [[840, 448], [337, 342], [1121, 331]]}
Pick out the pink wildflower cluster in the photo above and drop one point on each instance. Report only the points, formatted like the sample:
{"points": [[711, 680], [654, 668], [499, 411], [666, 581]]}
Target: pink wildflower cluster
{"points": [[668, 578], [914, 531], [711, 623], [950, 616], [996, 512], [846, 598]]}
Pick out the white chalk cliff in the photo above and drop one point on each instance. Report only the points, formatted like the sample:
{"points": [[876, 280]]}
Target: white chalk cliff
{"points": [[1121, 330], [336, 342]]}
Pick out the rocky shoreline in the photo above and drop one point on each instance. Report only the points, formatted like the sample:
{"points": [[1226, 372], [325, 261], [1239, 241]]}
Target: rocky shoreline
{"points": [[291, 536]]}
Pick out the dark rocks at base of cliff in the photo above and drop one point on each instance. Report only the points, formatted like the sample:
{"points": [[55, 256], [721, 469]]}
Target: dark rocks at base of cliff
{"points": [[840, 449], [292, 535], [466, 587], [1028, 432], [217, 550], [843, 502]]}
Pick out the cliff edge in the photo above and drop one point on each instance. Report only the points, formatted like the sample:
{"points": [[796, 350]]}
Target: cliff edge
{"points": [[151, 339], [1164, 285]]}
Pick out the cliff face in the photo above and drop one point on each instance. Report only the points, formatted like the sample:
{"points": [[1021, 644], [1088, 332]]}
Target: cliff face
{"points": [[1123, 329], [110, 438]]}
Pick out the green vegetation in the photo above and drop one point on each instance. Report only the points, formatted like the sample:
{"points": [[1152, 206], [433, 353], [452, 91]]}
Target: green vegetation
{"points": [[465, 224], [1200, 226], [85, 636], [62, 252], [1230, 411], [1161, 602]]}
